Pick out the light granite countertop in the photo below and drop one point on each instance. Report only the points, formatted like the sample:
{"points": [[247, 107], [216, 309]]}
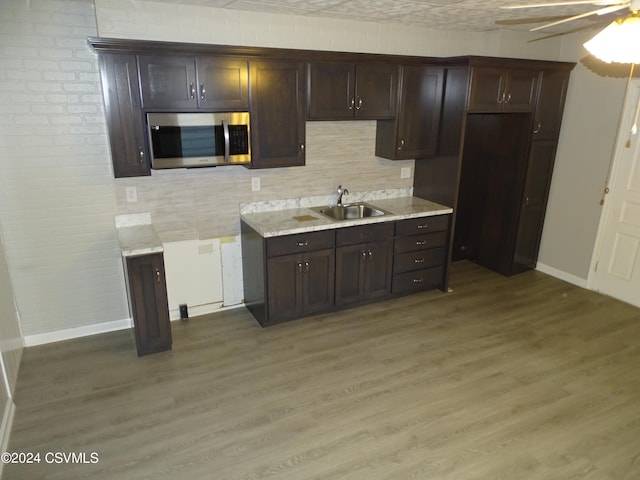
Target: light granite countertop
{"points": [[136, 235], [303, 219]]}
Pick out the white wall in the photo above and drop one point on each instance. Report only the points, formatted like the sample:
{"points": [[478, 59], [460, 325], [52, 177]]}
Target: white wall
{"points": [[589, 127], [57, 193], [57, 200]]}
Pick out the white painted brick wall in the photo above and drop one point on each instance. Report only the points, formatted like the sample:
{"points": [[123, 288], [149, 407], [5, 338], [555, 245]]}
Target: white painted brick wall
{"points": [[56, 185]]}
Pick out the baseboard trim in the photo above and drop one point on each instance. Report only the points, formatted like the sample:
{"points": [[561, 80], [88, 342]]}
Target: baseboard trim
{"points": [[105, 327], [84, 331], [5, 428], [567, 277]]}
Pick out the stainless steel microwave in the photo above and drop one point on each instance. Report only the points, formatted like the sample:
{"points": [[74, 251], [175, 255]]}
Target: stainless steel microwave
{"points": [[186, 140]]}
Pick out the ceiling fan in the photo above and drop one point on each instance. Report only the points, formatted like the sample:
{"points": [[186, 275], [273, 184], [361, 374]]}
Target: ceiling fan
{"points": [[605, 7]]}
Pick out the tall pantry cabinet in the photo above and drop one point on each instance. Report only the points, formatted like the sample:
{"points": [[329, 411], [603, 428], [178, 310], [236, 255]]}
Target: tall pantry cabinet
{"points": [[506, 143]]}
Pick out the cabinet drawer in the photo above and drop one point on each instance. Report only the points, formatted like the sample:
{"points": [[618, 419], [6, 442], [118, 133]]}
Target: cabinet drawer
{"points": [[364, 233], [425, 279], [414, 226], [406, 262], [421, 242], [301, 242]]}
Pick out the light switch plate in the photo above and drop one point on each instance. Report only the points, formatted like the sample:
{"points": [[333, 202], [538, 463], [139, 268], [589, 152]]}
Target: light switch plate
{"points": [[405, 172], [255, 184]]}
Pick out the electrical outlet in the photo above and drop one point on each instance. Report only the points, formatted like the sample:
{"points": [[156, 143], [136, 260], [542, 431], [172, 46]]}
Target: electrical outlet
{"points": [[255, 184], [405, 172], [132, 195]]}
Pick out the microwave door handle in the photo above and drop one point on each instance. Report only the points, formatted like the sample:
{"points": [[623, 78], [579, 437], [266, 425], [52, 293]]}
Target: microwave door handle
{"points": [[225, 132]]}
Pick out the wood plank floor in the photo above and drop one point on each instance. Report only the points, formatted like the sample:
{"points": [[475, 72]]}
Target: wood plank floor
{"points": [[504, 378]]}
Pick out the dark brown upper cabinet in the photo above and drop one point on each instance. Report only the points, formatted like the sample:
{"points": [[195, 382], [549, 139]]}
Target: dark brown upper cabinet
{"points": [[277, 114], [175, 82], [414, 131], [124, 117], [343, 91], [497, 89], [550, 105]]}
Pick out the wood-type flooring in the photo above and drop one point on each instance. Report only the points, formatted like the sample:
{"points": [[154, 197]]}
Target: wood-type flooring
{"points": [[515, 378]]}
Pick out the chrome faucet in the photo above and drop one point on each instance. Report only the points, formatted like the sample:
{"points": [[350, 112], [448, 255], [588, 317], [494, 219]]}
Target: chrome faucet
{"points": [[341, 192]]}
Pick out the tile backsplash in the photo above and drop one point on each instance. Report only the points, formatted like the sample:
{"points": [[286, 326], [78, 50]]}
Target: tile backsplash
{"points": [[205, 203]]}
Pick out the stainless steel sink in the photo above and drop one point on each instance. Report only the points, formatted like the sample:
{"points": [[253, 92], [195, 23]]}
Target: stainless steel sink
{"points": [[350, 211]]}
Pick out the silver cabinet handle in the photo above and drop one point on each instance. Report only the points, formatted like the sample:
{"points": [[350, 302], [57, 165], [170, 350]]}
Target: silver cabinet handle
{"points": [[421, 242], [422, 226], [418, 280], [140, 155], [192, 91], [363, 256], [299, 268], [401, 146], [359, 106], [158, 276], [418, 260], [538, 128], [302, 243], [203, 92], [301, 150], [306, 266], [508, 98], [352, 103]]}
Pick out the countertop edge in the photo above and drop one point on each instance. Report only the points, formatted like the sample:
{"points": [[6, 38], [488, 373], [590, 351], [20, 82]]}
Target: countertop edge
{"points": [[328, 224]]}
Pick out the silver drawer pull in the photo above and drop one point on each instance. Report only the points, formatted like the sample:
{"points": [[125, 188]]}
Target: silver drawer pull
{"points": [[421, 227], [418, 280], [418, 260], [421, 242], [304, 243]]}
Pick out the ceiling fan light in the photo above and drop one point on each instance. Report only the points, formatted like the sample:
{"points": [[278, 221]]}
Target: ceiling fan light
{"points": [[619, 42]]}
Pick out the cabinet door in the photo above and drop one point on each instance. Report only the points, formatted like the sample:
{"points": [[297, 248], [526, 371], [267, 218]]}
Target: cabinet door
{"points": [[520, 91], [223, 83], [487, 87], [378, 265], [350, 274], [125, 121], [414, 131], [550, 104], [168, 81], [363, 271], [419, 115], [277, 114], [318, 281], [376, 91], [534, 202], [330, 94], [284, 289], [148, 297]]}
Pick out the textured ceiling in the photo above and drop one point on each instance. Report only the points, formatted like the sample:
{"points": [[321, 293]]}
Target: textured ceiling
{"points": [[464, 15]]}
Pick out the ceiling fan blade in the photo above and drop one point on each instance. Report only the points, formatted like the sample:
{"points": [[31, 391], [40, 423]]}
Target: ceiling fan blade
{"points": [[600, 11], [568, 2], [524, 21], [560, 34]]}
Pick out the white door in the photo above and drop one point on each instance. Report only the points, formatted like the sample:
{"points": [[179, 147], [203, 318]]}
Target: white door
{"points": [[617, 260]]}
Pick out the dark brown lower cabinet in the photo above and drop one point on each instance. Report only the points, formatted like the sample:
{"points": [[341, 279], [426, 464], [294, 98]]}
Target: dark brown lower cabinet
{"points": [[300, 284], [364, 257], [420, 254], [291, 276], [148, 300]]}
